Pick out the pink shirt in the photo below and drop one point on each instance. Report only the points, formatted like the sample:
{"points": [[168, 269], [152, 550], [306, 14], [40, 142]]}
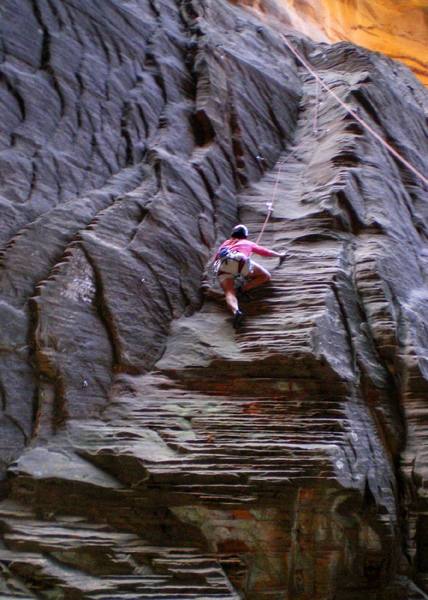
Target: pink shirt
{"points": [[246, 247]]}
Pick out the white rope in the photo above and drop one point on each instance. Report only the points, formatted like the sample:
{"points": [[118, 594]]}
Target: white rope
{"points": [[270, 204], [354, 114], [320, 82]]}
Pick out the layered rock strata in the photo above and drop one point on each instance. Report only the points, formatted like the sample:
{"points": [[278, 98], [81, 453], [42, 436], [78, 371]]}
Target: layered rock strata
{"points": [[151, 451]]}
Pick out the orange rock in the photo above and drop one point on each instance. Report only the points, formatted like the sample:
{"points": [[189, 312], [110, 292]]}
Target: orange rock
{"points": [[397, 28]]}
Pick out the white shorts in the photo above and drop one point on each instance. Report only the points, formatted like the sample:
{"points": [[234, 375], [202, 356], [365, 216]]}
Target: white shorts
{"points": [[229, 269]]}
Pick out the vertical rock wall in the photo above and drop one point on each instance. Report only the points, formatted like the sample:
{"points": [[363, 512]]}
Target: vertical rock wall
{"points": [[152, 136], [149, 450]]}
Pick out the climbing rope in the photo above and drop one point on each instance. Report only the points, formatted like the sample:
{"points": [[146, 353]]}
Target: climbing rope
{"points": [[353, 113], [320, 83], [270, 204], [282, 163]]}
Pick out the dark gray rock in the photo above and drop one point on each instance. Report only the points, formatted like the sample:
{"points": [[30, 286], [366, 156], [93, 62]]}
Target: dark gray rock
{"points": [[148, 450]]}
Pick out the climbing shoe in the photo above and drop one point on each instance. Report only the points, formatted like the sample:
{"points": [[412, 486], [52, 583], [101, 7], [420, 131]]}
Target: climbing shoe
{"points": [[237, 318]]}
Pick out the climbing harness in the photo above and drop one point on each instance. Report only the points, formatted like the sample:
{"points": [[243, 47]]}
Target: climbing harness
{"points": [[352, 112], [233, 263], [224, 256]]}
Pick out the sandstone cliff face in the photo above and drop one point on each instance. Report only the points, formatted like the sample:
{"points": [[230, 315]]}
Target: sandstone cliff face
{"points": [[398, 28], [148, 450]]}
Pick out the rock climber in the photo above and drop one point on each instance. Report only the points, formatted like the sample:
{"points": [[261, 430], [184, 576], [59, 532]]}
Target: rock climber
{"points": [[232, 262]]}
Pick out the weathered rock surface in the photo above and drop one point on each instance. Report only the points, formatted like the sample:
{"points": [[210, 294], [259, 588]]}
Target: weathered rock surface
{"points": [[398, 28], [148, 450]]}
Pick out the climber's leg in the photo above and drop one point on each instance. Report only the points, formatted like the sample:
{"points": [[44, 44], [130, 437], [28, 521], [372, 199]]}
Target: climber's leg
{"points": [[228, 286], [257, 276]]}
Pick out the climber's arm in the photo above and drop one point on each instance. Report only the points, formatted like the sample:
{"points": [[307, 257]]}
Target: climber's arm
{"points": [[262, 251]]}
